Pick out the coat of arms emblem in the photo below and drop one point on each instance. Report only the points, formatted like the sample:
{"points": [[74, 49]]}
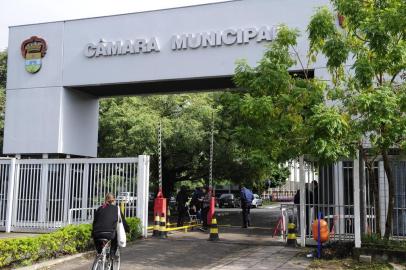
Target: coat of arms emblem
{"points": [[33, 50]]}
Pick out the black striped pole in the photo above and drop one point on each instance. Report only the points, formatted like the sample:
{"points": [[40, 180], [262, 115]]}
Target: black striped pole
{"points": [[162, 227], [291, 235], [214, 230], [155, 232]]}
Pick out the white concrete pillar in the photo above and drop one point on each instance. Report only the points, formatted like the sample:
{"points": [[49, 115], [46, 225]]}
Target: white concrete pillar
{"points": [[143, 192], [85, 191], [339, 198], [43, 196], [383, 195], [302, 176], [10, 194], [357, 203]]}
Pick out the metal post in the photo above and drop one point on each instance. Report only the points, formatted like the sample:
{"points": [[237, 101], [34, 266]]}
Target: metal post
{"points": [[302, 176], [160, 155], [42, 206], [10, 194], [143, 192], [85, 190], [363, 201], [15, 196], [383, 196], [66, 192], [357, 206], [211, 152]]}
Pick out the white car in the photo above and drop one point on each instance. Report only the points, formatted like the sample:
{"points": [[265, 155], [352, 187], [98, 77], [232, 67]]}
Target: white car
{"points": [[257, 201]]}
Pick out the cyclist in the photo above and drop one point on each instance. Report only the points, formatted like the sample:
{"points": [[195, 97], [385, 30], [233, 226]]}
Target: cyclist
{"points": [[105, 223]]}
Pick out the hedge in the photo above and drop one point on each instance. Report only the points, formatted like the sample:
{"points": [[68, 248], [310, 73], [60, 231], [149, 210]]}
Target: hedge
{"points": [[68, 240]]}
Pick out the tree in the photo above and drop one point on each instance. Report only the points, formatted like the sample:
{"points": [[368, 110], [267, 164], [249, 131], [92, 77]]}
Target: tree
{"points": [[3, 69], [365, 60], [3, 78], [277, 116], [129, 126]]}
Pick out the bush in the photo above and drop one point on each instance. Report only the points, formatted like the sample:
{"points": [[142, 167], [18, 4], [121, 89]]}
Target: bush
{"points": [[135, 228], [375, 241], [68, 240]]}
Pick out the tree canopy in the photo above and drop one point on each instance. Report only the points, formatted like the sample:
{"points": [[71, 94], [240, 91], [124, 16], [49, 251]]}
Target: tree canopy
{"points": [[366, 59], [3, 79], [278, 116], [129, 126]]}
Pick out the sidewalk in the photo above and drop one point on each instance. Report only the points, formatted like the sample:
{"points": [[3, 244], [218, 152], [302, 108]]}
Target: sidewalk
{"points": [[269, 257], [4, 235]]}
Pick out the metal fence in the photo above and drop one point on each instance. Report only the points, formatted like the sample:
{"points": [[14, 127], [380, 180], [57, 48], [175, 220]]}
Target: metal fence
{"points": [[50, 193], [333, 191], [376, 190], [329, 191], [4, 176]]}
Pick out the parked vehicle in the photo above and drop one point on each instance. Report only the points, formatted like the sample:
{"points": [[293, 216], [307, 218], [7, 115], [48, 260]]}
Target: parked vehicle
{"points": [[229, 200], [257, 201]]}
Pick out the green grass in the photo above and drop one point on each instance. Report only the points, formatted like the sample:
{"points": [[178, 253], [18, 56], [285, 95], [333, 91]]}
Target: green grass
{"points": [[347, 264], [268, 202], [375, 241]]}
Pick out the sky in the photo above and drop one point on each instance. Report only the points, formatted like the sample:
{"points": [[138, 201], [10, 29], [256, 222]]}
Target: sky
{"points": [[19, 12]]}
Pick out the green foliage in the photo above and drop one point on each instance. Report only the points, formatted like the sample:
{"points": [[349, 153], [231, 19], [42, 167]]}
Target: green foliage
{"points": [[375, 241], [68, 240], [135, 228], [330, 134], [279, 175], [3, 69], [23, 251], [3, 77], [373, 100], [277, 116], [129, 126]]}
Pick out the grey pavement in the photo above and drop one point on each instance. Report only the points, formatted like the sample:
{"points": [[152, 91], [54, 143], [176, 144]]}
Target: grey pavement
{"points": [[253, 248], [198, 253]]}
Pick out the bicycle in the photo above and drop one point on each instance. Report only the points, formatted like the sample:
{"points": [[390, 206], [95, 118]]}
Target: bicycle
{"points": [[104, 260]]}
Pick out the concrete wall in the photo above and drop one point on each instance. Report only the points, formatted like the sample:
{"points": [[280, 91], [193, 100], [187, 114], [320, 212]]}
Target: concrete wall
{"points": [[43, 116]]}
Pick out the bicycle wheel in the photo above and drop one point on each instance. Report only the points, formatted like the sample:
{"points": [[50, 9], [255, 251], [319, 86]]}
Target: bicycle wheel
{"points": [[116, 260], [98, 263], [109, 262]]}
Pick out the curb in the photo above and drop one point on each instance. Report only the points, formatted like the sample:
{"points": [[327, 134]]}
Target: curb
{"points": [[54, 261]]}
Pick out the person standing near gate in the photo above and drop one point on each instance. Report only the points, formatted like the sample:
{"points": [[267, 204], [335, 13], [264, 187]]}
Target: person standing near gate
{"points": [[181, 200], [205, 207], [246, 201]]}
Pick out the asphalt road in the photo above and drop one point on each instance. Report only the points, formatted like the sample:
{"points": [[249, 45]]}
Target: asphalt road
{"points": [[263, 217]]}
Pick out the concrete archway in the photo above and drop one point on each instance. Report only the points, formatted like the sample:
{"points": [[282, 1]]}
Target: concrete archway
{"points": [[55, 109]]}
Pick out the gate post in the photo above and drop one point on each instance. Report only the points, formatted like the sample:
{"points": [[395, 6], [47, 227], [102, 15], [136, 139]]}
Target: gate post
{"points": [[10, 194], [85, 189], [302, 176], [357, 206], [43, 195], [143, 192]]}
